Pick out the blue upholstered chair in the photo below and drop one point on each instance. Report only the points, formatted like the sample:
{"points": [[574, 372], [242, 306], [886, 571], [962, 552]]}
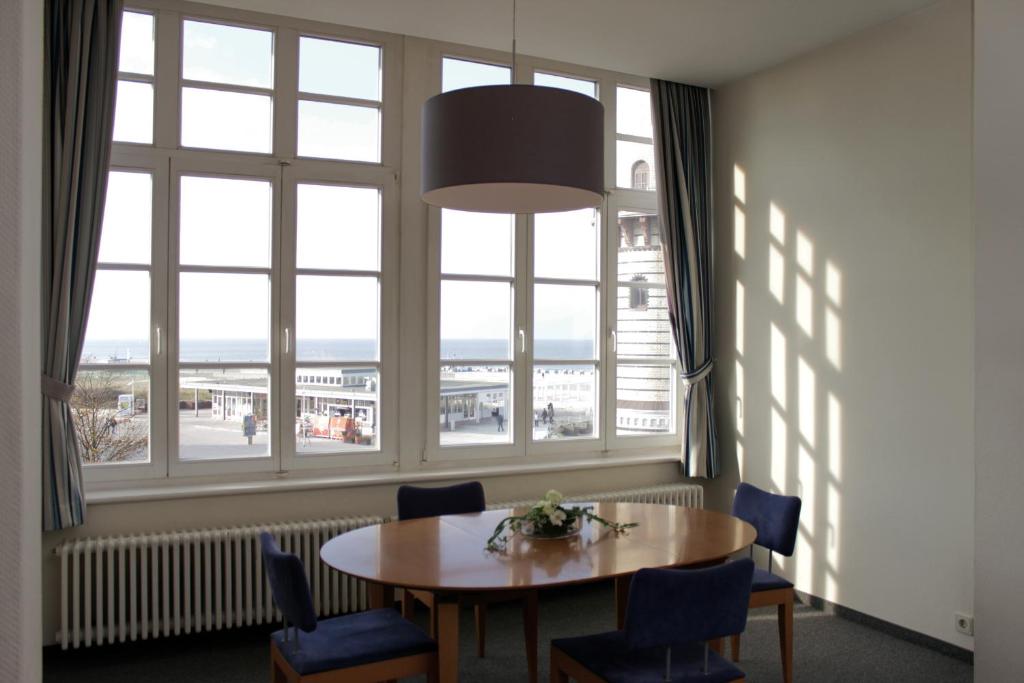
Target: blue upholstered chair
{"points": [[415, 502], [670, 617], [776, 519], [376, 645]]}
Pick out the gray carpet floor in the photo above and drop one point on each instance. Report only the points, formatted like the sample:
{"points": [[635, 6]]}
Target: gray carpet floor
{"points": [[827, 648]]}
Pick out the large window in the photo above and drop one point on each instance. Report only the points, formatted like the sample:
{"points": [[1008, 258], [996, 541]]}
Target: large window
{"points": [[255, 313]]}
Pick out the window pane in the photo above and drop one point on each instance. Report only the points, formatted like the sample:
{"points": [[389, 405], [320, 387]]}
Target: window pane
{"points": [[338, 227], [633, 112], [634, 165], [334, 67], [336, 410], [133, 112], [566, 244], [224, 318], [475, 405], [643, 329], [580, 85], [476, 243], [564, 401], [218, 53], [223, 413], [338, 131], [225, 221], [110, 411], [476, 319], [217, 119], [462, 73], [127, 218], [639, 256], [336, 317], [643, 399], [136, 54], [118, 329], [564, 321]]}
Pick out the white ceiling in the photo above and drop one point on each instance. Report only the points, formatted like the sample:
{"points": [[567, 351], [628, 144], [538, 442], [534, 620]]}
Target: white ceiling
{"points": [[703, 42]]}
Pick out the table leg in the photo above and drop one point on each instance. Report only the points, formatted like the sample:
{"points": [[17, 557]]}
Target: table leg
{"points": [[530, 628], [621, 599], [447, 640], [380, 595]]}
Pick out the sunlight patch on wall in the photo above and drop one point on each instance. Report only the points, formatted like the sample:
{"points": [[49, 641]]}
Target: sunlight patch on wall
{"points": [[833, 284], [739, 226], [835, 437], [739, 397], [777, 223], [739, 183], [804, 252], [776, 273], [741, 316], [780, 441], [778, 370], [832, 335], [806, 395], [806, 540], [804, 305]]}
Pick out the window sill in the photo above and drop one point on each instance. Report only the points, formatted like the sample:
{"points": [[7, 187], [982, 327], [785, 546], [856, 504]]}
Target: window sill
{"points": [[138, 492]]}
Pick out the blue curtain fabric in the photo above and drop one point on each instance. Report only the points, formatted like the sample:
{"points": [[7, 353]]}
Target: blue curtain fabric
{"points": [[81, 42], [682, 152]]}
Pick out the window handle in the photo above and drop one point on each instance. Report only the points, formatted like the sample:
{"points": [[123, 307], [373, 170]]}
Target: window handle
{"points": [[615, 342], [522, 340], [287, 340], [159, 341]]}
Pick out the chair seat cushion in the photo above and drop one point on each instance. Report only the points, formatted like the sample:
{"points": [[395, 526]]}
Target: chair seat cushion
{"points": [[353, 639], [766, 581], [608, 656]]}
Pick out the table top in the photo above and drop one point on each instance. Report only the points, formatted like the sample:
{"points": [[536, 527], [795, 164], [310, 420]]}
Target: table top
{"points": [[447, 553]]}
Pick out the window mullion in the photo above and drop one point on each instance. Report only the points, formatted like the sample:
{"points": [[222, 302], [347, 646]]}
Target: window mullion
{"points": [[286, 85]]}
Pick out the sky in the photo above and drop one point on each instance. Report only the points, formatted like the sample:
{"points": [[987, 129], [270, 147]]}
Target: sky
{"points": [[227, 221]]}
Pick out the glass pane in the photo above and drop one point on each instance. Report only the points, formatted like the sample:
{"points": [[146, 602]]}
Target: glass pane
{"points": [[223, 414], [565, 244], [136, 54], [640, 258], [643, 399], [564, 321], [643, 329], [564, 401], [224, 318], [110, 411], [476, 243], [127, 218], [462, 73], [338, 131], [333, 67], [336, 317], [634, 165], [633, 112], [217, 119], [475, 405], [133, 112], [336, 410], [338, 227], [580, 85], [476, 320], [118, 329], [218, 53], [225, 221]]}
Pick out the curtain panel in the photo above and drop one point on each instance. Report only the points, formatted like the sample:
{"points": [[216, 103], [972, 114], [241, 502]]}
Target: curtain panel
{"points": [[682, 149], [81, 43]]}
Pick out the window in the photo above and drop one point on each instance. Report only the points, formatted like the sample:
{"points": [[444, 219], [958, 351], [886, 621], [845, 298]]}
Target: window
{"points": [[634, 139], [133, 121]]}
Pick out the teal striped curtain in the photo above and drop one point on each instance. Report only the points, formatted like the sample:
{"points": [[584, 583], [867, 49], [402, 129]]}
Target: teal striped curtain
{"points": [[82, 41], [682, 149]]}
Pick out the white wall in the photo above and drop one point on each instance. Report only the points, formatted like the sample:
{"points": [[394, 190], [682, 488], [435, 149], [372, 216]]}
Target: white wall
{"points": [[21, 23], [864, 150], [999, 333]]}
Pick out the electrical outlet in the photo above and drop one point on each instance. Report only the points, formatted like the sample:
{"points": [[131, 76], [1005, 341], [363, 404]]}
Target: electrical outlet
{"points": [[964, 623]]}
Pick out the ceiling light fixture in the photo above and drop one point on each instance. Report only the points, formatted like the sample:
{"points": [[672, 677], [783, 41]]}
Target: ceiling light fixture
{"points": [[512, 148]]}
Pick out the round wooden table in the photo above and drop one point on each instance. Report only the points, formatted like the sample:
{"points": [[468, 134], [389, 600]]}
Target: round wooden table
{"points": [[446, 556]]}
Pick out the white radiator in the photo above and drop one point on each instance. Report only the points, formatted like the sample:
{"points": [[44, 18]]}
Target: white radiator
{"points": [[126, 588]]}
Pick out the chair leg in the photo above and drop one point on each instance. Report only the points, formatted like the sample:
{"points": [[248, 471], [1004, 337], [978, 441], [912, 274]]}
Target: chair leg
{"points": [[530, 630], [735, 647], [408, 605], [558, 675], [786, 637], [480, 616]]}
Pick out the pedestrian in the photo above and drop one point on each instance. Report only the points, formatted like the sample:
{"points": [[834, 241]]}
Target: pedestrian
{"points": [[544, 415], [501, 420], [551, 413], [112, 425]]}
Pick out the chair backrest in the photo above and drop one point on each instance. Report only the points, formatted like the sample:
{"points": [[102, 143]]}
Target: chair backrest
{"points": [[775, 517], [669, 606], [288, 584], [417, 501]]}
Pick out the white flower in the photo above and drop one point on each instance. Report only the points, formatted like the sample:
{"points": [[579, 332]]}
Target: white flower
{"points": [[557, 517], [548, 509], [554, 497]]}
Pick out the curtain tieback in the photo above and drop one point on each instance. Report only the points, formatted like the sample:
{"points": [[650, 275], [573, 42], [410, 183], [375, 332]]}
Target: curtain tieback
{"points": [[57, 390], [700, 373]]}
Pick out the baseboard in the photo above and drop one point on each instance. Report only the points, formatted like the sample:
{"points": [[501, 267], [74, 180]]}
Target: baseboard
{"points": [[901, 632]]}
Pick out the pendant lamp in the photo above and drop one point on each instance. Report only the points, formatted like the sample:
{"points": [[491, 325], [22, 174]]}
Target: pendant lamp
{"points": [[512, 149]]}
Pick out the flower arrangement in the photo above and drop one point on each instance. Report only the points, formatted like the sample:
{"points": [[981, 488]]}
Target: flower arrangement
{"points": [[549, 519]]}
